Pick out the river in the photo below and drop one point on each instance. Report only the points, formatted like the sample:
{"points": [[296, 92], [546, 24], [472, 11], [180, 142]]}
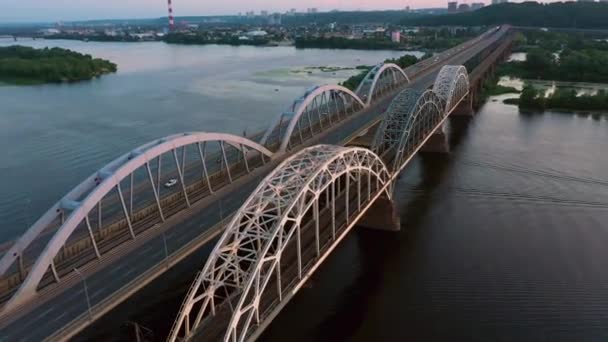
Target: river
{"points": [[54, 136], [502, 239]]}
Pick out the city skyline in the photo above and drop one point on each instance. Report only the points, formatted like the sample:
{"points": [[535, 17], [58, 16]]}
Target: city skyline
{"points": [[63, 10]]}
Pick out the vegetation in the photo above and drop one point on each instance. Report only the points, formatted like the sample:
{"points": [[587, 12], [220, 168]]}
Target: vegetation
{"points": [[557, 41], [424, 39], [201, 39], [571, 66], [99, 37], [531, 98], [346, 17], [492, 88], [404, 61], [587, 15], [344, 43], [25, 65]]}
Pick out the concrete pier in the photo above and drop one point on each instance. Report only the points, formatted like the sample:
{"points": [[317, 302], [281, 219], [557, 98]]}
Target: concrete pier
{"points": [[438, 142], [382, 215]]}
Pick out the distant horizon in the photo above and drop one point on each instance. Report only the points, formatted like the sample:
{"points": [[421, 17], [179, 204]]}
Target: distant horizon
{"points": [[31, 11], [164, 15], [192, 15]]}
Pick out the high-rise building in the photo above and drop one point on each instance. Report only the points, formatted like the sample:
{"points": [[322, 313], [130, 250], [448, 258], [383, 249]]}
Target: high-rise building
{"points": [[477, 5], [264, 13], [396, 36], [274, 19], [464, 8], [452, 7], [312, 10]]}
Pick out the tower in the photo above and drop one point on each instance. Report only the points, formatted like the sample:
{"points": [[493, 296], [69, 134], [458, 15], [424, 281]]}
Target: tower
{"points": [[171, 22]]}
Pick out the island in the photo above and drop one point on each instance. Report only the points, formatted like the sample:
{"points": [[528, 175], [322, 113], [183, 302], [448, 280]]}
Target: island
{"points": [[23, 65]]}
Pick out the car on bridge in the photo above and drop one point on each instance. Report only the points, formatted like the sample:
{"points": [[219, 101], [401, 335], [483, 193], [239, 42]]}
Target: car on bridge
{"points": [[171, 183]]}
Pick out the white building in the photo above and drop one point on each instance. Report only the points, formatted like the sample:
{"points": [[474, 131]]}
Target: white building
{"points": [[396, 36], [257, 33]]}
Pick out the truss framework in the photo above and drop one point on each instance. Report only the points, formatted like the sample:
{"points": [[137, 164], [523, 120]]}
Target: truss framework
{"points": [[381, 79], [414, 114], [309, 115], [248, 255], [74, 209]]}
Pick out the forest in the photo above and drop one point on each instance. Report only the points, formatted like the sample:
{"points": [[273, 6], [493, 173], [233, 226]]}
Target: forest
{"points": [[26, 65], [586, 15], [562, 98]]}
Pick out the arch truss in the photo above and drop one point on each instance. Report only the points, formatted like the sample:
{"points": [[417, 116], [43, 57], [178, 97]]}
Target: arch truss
{"points": [[410, 120], [452, 85], [381, 79], [292, 220], [319, 108], [126, 197]]}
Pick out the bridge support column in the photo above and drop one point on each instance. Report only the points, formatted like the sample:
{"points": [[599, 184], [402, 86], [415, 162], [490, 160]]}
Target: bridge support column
{"points": [[382, 215], [465, 107], [438, 142]]}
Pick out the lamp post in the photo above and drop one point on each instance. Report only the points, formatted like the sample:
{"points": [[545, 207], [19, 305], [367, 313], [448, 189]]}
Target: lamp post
{"points": [[86, 292]]}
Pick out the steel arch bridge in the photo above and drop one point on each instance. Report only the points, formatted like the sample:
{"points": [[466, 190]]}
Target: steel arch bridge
{"points": [[319, 107], [77, 217], [452, 85], [381, 79], [277, 239], [414, 115], [299, 213]]}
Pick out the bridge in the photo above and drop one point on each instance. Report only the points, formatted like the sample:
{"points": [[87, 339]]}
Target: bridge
{"points": [[281, 200]]}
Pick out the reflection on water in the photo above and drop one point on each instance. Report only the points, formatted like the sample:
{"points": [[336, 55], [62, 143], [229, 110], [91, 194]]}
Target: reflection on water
{"points": [[54, 136]]}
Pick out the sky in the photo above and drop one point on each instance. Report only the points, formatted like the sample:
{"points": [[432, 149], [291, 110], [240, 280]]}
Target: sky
{"points": [[56, 10]]}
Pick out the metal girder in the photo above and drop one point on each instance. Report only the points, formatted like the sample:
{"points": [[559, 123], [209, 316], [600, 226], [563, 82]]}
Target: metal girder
{"points": [[451, 85], [249, 252], [308, 110], [414, 114], [381, 77], [89, 194]]}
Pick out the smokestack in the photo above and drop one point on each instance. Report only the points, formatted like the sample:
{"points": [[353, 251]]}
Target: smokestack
{"points": [[171, 22]]}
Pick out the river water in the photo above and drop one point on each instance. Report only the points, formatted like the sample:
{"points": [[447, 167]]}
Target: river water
{"points": [[54, 136], [502, 239]]}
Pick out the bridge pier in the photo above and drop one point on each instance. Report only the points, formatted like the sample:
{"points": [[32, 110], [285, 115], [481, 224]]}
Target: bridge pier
{"points": [[465, 107], [438, 142], [382, 215]]}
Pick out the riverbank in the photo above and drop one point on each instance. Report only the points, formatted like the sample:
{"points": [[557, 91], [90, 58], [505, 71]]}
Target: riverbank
{"points": [[20, 65]]}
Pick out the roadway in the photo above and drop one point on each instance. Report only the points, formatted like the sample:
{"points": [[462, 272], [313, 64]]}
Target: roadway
{"points": [[41, 319]]}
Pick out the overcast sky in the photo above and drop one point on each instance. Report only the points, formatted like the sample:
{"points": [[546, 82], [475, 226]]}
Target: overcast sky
{"points": [[55, 10]]}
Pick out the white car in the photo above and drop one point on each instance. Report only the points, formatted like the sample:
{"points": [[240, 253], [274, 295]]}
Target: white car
{"points": [[171, 183]]}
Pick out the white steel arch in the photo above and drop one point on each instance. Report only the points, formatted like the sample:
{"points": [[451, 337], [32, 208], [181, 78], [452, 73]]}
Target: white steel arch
{"points": [[329, 103], [427, 114], [86, 195], [409, 119], [240, 267], [378, 79], [452, 85]]}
